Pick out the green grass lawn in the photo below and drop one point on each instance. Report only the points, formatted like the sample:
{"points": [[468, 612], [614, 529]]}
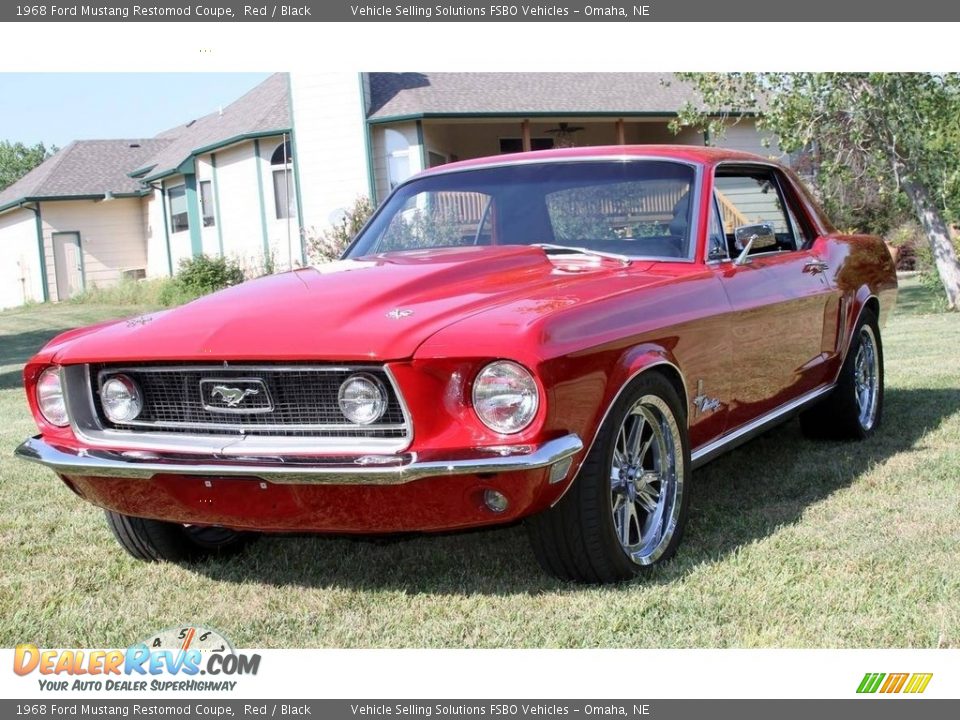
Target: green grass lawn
{"points": [[791, 543]]}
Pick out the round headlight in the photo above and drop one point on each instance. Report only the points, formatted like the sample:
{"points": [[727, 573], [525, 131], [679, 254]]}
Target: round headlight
{"points": [[505, 397], [50, 398], [362, 399], [121, 399]]}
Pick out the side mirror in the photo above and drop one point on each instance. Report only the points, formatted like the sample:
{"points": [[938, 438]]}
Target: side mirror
{"points": [[748, 238]]}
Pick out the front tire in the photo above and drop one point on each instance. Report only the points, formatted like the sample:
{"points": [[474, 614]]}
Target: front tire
{"points": [[628, 506], [853, 410], [156, 540]]}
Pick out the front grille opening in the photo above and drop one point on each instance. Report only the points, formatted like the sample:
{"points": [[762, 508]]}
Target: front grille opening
{"points": [[292, 401]]}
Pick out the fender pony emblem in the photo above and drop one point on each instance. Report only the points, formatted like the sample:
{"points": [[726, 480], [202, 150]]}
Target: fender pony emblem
{"points": [[141, 320], [399, 313], [703, 403]]}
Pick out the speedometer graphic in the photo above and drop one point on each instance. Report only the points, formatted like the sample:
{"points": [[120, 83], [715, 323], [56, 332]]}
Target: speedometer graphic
{"points": [[189, 637]]}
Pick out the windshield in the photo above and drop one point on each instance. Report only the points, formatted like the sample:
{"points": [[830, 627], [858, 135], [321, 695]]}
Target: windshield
{"points": [[637, 208]]}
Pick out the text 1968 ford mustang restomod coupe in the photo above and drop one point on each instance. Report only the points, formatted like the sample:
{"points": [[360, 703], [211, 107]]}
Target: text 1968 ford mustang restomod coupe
{"points": [[561, 336]]}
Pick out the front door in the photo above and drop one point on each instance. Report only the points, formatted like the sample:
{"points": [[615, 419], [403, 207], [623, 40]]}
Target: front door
{"points": [[779, 297], [68, 263]]}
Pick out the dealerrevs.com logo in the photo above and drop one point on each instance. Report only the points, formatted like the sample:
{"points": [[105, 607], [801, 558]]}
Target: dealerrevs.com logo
{"points": [[910, 683], [173, 659]]}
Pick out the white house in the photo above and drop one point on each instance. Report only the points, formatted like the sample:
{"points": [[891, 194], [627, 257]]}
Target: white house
{"points": [[75, 219], [254, 180], [412, 121]]}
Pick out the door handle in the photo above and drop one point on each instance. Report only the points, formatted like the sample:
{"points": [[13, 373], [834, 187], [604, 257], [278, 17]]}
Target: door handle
{"points": [[815, 267]]}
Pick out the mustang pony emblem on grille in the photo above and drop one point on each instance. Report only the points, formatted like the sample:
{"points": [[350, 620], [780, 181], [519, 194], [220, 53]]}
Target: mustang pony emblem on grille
{"points": [[232, 396]]}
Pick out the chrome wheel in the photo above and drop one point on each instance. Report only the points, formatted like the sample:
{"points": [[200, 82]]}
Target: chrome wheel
{"points": [[866, 377], [646, 480]]}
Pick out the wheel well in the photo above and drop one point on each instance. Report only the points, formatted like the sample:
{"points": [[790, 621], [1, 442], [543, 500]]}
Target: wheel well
{"points": [[873, 304], [673, 376]]}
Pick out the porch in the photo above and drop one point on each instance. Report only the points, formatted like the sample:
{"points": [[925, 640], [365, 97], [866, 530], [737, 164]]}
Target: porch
{"points": [[401, 149]]}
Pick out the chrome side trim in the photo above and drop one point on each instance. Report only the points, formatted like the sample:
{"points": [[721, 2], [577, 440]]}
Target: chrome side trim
{"points": [[361, 470], [613, 402], [705, 453], [238, 366], [407, 417]]}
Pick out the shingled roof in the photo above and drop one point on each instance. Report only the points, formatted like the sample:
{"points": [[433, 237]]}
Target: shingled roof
{"points": [[88, 168], [437, 94], [85, 168], [264, 109]]}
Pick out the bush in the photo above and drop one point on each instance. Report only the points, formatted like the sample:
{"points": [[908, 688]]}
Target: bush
{"points": [[329, 244], [172, 293], [906, 238], [198, 276], [203, 274]]}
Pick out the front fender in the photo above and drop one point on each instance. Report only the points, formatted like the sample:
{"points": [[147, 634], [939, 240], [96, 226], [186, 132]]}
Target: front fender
{"points": [[631, 363]]}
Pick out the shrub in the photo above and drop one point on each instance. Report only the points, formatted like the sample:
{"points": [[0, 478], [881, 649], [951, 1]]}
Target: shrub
{"points": [[906, 238], [198, 276], [203, 274], [329, 244]]}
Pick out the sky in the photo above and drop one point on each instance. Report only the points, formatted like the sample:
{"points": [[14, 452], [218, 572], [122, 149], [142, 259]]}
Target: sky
{"points": [[55, 108]]}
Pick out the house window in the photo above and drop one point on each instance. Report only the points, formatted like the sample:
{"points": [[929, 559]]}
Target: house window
{"points": [[398, 157], [515, 144], [284, 199], [206, 203], [283, 155], [178, 208], [283, 196]]}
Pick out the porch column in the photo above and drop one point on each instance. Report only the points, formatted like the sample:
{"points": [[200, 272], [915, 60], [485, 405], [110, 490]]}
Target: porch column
{"points": [[621, 135], [525, 134]]}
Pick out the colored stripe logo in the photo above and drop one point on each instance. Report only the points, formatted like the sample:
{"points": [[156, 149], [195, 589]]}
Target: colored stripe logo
{"points": [[913, 683]]}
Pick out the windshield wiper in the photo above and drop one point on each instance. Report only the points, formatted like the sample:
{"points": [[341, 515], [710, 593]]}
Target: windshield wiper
{"points": [[625, 259]]}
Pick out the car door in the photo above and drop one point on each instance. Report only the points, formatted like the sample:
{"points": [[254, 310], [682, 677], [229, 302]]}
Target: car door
{"points": [[779, 295]]}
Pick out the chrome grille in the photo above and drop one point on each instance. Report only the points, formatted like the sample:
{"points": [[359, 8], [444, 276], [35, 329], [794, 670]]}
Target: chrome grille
{"points": [[290, 400]]}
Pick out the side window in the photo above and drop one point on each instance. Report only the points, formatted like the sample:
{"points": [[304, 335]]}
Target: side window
{"points": [[803, 237], [716, 240], [752, 197]]}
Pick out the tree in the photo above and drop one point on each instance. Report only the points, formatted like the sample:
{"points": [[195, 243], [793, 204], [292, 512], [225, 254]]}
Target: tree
{"points": [[16, 160], [329, 243], [896, 132]]}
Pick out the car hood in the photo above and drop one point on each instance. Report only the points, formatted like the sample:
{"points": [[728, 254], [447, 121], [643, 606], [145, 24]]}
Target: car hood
{"points": [[377, 308]]}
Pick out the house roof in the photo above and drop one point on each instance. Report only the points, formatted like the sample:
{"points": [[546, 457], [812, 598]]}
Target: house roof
{"points": [[92, 168], [84, 168], [263, 110], [394, 95]]}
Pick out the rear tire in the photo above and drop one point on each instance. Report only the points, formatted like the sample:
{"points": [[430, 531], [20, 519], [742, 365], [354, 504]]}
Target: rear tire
{"points": [[628, 505], [156, 540], [853, 410]]}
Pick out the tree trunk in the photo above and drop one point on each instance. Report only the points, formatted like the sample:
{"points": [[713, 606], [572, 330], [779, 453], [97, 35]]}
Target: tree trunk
{"points": [[944, 254]]}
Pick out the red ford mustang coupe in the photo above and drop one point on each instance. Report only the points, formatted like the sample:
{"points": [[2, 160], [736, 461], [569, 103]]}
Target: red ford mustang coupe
{"points": [[560, 336]]}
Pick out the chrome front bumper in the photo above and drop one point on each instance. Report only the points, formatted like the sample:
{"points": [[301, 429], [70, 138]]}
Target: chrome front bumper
{"points": [[363, 470]]}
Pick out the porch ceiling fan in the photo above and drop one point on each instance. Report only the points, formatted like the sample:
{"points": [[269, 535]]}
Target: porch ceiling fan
{"points": [[564, 134]]}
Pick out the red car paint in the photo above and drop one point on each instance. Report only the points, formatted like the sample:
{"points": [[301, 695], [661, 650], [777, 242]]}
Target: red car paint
{"points": [[754, 337]]}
